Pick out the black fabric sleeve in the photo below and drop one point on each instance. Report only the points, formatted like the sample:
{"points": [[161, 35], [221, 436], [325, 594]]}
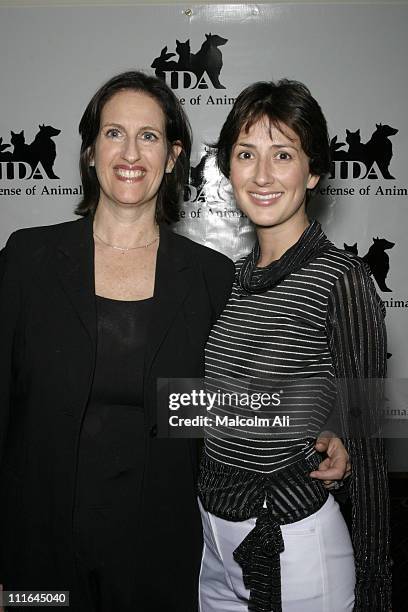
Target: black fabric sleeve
{"points": [[357, 340], [10, 301], [219, 272]]}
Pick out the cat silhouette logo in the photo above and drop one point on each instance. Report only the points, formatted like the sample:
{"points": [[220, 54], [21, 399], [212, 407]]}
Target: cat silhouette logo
{"points": [[29, 161], [376, 260], [199, 70], [362, 160]]}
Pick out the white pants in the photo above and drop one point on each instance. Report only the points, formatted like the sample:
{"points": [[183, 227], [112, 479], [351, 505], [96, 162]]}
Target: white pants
{"points": [[317, 565]]}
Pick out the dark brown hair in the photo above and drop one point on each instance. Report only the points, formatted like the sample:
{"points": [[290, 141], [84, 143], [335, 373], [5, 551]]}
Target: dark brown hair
{"points": [[177, 129], [288, 102]]}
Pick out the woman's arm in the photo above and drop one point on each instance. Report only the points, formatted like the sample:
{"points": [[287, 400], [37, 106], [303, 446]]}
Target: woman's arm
{"points": [[357, 339], [219, 272], [9, 313]]}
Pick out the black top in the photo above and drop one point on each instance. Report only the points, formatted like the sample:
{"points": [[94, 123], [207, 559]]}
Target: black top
{"points": [[115, 406], [313, 315]]}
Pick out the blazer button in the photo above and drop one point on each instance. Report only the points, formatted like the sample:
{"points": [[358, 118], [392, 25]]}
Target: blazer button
{"points": [[153, 431]]}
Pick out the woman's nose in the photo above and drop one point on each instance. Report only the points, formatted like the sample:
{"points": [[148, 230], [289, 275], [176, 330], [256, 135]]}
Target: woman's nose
{"points": [[131, 151], [264, 171]]}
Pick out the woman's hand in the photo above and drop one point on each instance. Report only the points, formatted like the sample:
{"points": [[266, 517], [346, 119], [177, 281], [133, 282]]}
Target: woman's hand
{"points": [[336, 466]]}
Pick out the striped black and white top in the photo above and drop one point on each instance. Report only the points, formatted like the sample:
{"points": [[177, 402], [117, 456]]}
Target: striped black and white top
{"points": [[274, 343], [323, 321]]}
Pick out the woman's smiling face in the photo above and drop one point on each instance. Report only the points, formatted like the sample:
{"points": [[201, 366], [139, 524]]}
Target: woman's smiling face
{"points": [[269, 173], [131, 152]]}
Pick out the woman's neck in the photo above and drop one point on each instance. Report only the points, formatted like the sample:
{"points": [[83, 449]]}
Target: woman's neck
{"points": [[127, 227], [275, 241]]}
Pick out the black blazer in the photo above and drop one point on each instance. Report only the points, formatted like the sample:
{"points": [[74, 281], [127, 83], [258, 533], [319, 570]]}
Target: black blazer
{"points": [[47, 358]]}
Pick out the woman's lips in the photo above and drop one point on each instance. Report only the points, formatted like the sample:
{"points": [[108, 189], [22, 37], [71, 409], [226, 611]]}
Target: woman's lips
{"points": [[129, 174], [265, 199]]}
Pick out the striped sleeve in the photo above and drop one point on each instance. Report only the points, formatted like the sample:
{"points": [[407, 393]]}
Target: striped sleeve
{"points": [[357, 341]]}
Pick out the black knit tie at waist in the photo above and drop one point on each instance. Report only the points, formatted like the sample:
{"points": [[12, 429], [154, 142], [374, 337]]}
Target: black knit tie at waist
{"points": [[258, 555], [236, 495]]}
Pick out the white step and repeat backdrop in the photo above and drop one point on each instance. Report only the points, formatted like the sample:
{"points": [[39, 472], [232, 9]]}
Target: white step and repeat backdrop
{"points": [[352, 57]]}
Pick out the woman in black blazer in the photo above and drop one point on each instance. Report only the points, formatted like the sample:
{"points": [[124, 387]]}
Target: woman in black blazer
{"points": [[92, 312]]}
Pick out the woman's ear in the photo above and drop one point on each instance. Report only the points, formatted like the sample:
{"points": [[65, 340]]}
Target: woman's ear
{"points": [[312, 181], [90, 157], [176, 149]]}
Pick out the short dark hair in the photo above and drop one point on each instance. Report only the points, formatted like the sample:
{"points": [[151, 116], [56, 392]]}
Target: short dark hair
{"points": [[177, 129], [288, 102]]}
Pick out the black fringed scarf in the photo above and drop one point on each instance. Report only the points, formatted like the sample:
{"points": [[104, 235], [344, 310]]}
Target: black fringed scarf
{"points": [[312, 243]]}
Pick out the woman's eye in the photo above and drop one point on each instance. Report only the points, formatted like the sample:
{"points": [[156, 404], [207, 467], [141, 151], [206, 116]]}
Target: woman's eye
{"points": [[283, 155], [113, 133], [244, 155], [149, 136]]}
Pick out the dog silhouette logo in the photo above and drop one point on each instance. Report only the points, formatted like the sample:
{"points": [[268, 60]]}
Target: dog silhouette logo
{"points": [[34, 160], [199, 70], [376, 259], [369, 159]]}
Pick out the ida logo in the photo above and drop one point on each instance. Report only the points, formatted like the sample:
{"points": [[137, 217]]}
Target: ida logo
{"points": [[29, 161], [376, 259], [363, 160], [199, 70]]}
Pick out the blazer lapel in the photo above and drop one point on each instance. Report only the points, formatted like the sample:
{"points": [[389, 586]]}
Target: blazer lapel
{"points": [[174, 278], [74, 263]]}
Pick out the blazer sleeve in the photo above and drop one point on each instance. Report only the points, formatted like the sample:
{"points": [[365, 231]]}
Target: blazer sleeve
{"points": [[219, 272], [10, 306], [357, 340], [10, 301]]}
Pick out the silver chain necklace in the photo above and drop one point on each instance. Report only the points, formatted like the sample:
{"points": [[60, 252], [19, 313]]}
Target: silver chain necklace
{"points": [[125, 249]]}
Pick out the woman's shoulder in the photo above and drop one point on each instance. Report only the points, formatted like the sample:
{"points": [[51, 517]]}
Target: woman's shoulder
{"points": [[350, 278], [338, 263], [29, 237], [206, 255], [29, 248], [217, 270]]}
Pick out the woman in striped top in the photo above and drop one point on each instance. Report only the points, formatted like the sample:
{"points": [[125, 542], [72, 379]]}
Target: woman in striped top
{"points": [[301, 339]]}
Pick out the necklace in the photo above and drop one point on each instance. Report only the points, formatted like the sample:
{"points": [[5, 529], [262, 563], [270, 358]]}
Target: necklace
{"points": [[125, 249]]}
